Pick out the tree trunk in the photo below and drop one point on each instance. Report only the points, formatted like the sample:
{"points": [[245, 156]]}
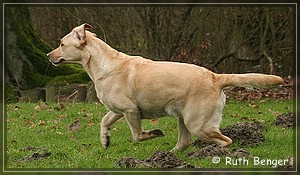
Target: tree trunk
{"points": [[27, 63]]}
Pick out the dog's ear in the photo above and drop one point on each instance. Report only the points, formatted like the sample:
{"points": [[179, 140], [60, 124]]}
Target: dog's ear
{"points": [[80, 32]]}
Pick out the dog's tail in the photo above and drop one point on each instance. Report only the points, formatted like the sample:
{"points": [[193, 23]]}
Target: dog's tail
{"points": [[248, 80]]}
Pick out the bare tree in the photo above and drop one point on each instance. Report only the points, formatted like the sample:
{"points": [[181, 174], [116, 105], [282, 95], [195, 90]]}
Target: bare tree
{"points": [[225, 39]]}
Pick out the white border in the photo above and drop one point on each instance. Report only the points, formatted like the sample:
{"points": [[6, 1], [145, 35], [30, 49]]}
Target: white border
{"points": [[224, 170]]}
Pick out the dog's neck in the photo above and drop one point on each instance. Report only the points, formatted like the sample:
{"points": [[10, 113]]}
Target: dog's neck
{"points": [[102, 59]]}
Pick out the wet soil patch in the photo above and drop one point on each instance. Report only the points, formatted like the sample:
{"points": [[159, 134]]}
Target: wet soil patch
{"points": [[129, 162], [39, 153], [159, 159], [285, 120], [248, 134], [218, 150]]}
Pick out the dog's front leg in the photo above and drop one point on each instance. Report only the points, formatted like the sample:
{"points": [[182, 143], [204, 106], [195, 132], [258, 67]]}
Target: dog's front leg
{"points": [[106, 122], [184, 136], [134, 121]]}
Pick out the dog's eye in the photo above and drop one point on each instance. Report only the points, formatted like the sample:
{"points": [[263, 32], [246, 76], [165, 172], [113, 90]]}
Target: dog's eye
{"points": [[61, 44]]}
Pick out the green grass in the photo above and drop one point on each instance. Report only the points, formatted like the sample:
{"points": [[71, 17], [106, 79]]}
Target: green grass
{"points": [[82, 149]]}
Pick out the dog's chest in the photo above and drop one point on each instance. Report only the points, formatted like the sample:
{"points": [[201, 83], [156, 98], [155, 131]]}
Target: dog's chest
{"points": [[115, 96]]}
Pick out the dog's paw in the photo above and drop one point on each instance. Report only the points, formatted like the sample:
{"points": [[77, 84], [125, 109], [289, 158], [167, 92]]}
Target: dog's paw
{"points": [[106, 143], [105, 137]]}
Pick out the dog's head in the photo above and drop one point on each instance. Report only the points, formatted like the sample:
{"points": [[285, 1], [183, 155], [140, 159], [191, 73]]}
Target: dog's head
{"points": [[71, 48]]}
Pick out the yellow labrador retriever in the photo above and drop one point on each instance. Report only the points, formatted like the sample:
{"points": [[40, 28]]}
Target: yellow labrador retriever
{"points": [[137, 88]]}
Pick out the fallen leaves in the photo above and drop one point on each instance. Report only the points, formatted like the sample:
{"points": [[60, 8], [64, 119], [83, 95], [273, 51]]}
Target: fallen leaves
{"points": [[74, 126], [284, 91], [55, 124], [154, 121], [235, 115], [83, 110], [90, 123], [61, 117], [59, 106], [88, 115], [32, 126], [255, 106], [42, 106], [41, 123], [37, 108], [13, 120], [16, 108], [14, 141], [32, 116], [27, 121]]}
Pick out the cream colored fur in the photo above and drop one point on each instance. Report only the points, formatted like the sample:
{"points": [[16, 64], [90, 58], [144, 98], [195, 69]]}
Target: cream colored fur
{"points": [[137, 88]]}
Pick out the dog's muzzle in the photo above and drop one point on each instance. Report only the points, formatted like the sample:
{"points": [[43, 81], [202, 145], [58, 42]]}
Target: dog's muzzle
{"points": [[58, 61]]}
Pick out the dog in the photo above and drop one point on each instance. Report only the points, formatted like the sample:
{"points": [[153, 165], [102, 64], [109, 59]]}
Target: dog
{"points": [[137, 88]]}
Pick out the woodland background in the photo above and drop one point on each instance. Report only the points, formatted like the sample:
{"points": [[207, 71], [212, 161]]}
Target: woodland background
{"points": [[225, 39]]}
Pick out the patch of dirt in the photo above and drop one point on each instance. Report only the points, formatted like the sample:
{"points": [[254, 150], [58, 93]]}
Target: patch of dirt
{"points": [[218, 150], [200, 144], [39, 153], [159, 159], [165, 159], [248, 134], [285, 120], [239, 152], [33, 148], [209, 151], [284, 91], [35, 156], [128, 162]]}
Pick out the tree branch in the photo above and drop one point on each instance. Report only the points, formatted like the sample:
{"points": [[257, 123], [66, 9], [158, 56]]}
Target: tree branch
{"points": [[224, 57], [180, 28], [270, 62]]}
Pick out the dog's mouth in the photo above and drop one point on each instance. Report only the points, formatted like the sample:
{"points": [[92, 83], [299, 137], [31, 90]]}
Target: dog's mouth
{"points": [[58, 61]]}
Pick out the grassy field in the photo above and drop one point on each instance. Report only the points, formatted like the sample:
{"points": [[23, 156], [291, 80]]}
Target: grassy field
{"points": [[48, 130]]}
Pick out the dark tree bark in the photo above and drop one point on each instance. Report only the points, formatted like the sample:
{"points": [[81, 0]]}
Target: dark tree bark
{"points": [[26, 61], [178, 36]]}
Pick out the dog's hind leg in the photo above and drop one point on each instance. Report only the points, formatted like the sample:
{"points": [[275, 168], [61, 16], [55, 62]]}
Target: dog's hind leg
{"points": [[215, 135], [134, 121], [208, 132], [106, 122], [203, 119], [184, 136]]}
